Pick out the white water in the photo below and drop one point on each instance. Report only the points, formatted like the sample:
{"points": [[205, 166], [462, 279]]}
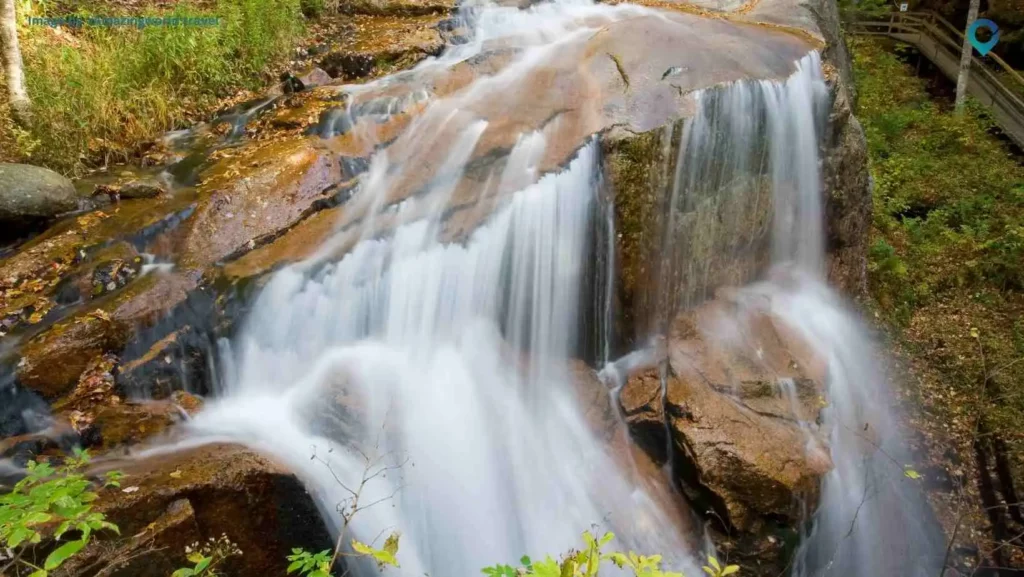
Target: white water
{"points": [[500, 460], [449, 361], [872, 520]]}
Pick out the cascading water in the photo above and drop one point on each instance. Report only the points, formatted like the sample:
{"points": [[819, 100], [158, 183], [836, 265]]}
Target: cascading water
{"points": [[872, 520], [427, 336], [446, 355], [447, 360]]}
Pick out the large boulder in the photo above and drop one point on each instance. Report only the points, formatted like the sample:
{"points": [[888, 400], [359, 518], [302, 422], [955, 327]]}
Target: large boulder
{"points": [[168, 502], [739, 394], [31, 193]]}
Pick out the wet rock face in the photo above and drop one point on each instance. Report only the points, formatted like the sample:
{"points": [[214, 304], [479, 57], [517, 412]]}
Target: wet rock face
{"points": [[30, 194], [280, 181], [114, 268], [739, 395], [198, 494], [719, 239], [845, 166], [378, 44], [52, 362]]}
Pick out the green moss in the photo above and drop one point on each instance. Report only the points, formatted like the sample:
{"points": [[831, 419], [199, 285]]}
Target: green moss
{"points": [[632, 164]]}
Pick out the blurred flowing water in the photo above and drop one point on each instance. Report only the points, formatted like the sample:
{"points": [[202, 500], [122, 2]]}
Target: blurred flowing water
{"points": [[443, 359]]}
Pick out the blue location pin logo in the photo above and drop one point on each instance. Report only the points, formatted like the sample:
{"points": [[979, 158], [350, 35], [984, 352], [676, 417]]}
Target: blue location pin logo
{"points": [[972, 35]]}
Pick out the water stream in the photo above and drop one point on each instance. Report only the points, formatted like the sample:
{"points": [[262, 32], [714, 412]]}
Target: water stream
{"points": [[445, 357]]}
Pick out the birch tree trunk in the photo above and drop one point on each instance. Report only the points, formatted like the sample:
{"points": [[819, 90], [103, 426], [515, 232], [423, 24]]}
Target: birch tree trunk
{"points": [[14, 70], [965, 58]]}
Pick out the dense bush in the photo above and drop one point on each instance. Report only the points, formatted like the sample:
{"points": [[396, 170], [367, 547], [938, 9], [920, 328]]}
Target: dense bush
{"points": [[949, 197], [946, 264]]}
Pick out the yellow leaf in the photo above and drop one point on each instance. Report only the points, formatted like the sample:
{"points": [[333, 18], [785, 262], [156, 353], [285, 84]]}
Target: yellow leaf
{"points": [[176, 474]]}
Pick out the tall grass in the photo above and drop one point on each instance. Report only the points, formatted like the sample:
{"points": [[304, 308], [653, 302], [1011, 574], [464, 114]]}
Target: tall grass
{"points": [[100, 92]]}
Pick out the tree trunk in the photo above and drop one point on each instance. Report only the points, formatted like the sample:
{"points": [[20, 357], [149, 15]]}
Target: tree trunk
{"points": [[965, 58], [14, 70]]}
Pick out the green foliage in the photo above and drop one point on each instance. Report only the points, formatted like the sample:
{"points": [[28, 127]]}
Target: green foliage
{"points": [[310, 564], [101, 92], [319, 564], [864, 8], [313, 8], [52, 501], [384, 557], [207, 556], [949, 198], [715, 569], [946, 265], [587, 561]]}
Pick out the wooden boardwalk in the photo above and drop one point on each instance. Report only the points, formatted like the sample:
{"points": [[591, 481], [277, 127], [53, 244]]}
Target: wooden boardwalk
{"points": [[940, 42]]}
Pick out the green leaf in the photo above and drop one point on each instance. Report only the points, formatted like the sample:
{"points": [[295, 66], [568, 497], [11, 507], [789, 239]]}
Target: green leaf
{"points": [[63, 528], [202, 565], [525, 561], [293, 566], [912, 474], [588, 539], [61, 554], [382, 557], [619, 559], [18, 535], [546, 568], [183, 572], [37, 518], [730, 570], [195, 557], [714, 563], [39, 573]]}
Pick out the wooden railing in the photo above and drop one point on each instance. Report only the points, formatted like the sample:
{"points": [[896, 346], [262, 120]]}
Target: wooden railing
{"points": [[932, 34]]}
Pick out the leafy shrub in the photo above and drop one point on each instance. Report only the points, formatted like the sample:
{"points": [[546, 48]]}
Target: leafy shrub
{"points": [[949, 198], [50, 497], [308, 564], [587, 562], [946, 266]]}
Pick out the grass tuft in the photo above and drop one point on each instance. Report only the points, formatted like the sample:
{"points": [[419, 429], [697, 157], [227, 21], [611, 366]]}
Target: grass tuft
{"points": [[99, 93]]}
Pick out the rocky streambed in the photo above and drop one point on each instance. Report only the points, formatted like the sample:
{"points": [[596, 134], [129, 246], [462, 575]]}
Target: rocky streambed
{"points": [[115, 316]]}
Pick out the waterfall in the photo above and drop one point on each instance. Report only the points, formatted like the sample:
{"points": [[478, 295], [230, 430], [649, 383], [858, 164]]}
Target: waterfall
{"points": [[872, 520], [440, 358], [457, 354]]}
